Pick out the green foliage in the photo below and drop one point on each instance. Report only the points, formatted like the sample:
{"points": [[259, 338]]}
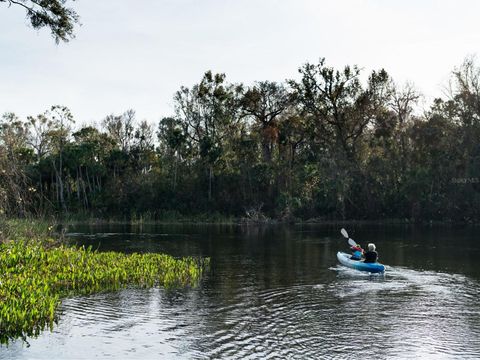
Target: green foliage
{"points": [[52, 14], [37, 274], [326, 146]]}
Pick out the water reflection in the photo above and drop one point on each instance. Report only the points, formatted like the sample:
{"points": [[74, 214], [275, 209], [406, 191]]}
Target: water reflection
{"points": [[279, 293]]}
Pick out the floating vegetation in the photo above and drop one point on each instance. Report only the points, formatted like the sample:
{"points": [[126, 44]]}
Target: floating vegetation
{"points": [[34, 276]]}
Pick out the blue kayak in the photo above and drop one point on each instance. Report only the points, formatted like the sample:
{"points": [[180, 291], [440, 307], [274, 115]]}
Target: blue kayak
{"points": [[344, 259]]}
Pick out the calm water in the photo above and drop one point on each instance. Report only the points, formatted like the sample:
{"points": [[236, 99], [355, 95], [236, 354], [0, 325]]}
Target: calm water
{"points": [[278, 292]]}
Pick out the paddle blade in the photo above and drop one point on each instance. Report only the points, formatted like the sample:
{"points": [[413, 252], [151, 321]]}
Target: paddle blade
{"points": [[344, 233], [351, 242]]}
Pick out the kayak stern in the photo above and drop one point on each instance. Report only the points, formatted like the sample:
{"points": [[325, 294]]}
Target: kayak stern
{"points": [[345, 259]]}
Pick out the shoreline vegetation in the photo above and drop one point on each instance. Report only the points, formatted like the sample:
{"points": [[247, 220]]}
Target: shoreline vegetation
{"points": [[38, 271], [258, 219], [332, 144]]}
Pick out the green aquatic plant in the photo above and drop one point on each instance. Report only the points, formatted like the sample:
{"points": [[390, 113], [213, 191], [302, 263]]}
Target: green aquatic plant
{"points": [[25, 229], [35, 276]]}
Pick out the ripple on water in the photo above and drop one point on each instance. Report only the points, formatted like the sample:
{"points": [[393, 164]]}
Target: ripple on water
{"points": [[403, 314], [421, 313]]}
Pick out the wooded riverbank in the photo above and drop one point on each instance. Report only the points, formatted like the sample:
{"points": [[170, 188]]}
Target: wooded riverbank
{"points": [[326, 146]]}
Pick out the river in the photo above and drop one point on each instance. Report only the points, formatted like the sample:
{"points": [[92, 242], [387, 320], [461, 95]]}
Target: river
{"points": [[278, 292]]}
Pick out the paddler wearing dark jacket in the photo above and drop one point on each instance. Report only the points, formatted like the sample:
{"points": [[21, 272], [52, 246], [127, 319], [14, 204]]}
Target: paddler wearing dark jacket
{"points": [[371, 255]]}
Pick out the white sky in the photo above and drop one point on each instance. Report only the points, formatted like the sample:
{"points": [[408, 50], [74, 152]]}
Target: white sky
{"points": [[137, 53]]}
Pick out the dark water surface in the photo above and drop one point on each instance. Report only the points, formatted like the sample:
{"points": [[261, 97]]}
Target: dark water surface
{"points": [[278, 292]]}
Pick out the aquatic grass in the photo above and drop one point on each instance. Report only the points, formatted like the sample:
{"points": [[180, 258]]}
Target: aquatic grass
{"points": [[25, 229], [34, 277], [157, 217]]}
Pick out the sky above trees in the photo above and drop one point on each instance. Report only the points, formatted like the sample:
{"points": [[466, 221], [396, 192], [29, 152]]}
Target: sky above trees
{"points": [[137, 54]]}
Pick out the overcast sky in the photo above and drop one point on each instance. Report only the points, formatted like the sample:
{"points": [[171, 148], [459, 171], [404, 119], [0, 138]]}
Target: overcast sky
{"points": [[137, 53]]}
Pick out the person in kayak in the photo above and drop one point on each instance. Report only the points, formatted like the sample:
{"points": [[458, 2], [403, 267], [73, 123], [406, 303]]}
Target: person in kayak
{"points": [[357, 252], [371, 255]]}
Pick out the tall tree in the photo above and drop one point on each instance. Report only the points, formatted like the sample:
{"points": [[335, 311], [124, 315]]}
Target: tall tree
{"points": [[87, 161], [338, 104], [172, 136], [15, 191], [121, 128], [38, 138], [402, 102], [265, 102], [143, 147], [61, 118], [209, 113]]}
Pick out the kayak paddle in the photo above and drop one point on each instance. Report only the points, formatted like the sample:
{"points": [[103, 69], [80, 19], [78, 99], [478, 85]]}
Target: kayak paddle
{"points": [[351, 242]]}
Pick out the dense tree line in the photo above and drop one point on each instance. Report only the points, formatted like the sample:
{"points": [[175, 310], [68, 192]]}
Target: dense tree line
{"points": [[326, 146]]}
